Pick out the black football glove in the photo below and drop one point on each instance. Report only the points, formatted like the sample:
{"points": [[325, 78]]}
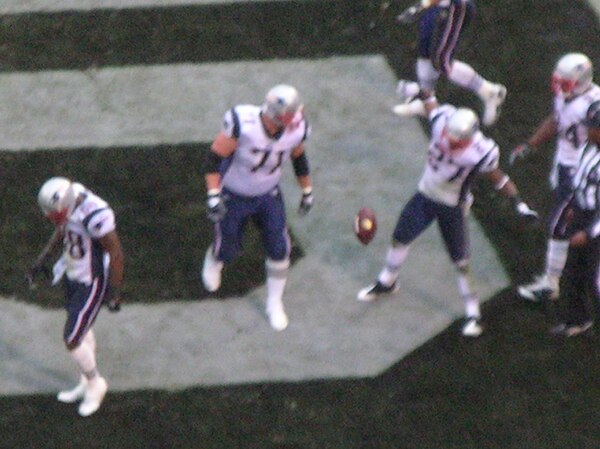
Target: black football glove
{"points": [[35, 270], [306, 203], [215, 207], [112, 299], [519, 152]]}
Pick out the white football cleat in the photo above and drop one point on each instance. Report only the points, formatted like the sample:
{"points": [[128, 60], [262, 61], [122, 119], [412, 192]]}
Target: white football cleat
{"points": [[542, 288], [406, 91], [75, 394], [94, 395], [492, 105], [472, 328], [278, 319], [211, 272], [414, 108]]}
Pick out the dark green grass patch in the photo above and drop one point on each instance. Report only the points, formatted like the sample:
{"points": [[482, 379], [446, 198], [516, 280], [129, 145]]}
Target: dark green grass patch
{"points": [[158, 196]]}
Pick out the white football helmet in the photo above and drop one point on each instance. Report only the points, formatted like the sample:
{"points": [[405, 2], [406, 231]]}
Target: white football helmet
{"points": [[57, 199], [461, 128], [281, 105], [573, 75]]}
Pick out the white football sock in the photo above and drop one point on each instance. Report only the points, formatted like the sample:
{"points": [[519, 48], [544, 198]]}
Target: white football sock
{"points": [[427, 75], [556, 257], [465, 76], [85, 359], [276, 279], [396, 255], [90, 338], [467, 292]]}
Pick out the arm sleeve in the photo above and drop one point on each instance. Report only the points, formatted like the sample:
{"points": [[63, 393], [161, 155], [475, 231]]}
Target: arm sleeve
{"points": [[301, 167], [231, 124]]}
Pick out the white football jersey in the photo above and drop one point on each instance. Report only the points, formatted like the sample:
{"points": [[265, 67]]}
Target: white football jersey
{"points": [[448, 174], [83, 254], [571, 132], [255, 166]]}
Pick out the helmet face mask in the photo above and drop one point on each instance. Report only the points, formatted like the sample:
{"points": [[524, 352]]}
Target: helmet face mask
{"points": [[573, 75], [281, 105], [56, 199], [461, 128]]}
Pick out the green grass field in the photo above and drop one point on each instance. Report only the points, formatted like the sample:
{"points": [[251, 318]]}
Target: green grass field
{"points": [[515, 387]]}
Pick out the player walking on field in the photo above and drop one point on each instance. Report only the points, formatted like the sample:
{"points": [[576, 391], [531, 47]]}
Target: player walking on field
{"points": [[92, 266], [572, 83], [440, 26], [242, 173], [458, 152]]}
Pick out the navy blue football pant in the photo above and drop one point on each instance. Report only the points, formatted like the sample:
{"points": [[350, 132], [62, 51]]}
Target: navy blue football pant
{"points": [[420, 212], [440, 30], [268, 214], [83, 305]]}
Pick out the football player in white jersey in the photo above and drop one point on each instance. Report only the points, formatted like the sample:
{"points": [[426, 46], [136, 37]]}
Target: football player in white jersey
{"points": [[242, 174], [458, 151], [575, 91], [92, 267], [440, 26]]}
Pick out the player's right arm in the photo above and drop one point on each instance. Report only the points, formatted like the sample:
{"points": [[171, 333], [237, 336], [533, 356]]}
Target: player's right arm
{"points": [[222, 147], [546, 131], [39, 266]]}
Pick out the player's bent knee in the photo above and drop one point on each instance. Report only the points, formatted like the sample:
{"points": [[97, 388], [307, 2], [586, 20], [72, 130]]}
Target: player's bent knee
{"points": [[462, 266], [72, 345]]}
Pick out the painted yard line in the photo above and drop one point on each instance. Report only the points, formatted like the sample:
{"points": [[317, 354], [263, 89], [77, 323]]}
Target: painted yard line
{"points": [[149, 105], [32, 6]]}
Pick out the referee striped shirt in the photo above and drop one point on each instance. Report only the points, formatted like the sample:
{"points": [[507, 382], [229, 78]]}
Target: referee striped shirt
{"points": [[587, 186]]}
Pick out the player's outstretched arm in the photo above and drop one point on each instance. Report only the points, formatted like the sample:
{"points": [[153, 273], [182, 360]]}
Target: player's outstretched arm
{"points": [[546, 131], [39, 266], [505, 186]]}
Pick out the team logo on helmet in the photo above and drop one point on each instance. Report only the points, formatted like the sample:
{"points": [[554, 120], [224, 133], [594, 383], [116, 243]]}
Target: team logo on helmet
{"points": [[281, 105], [573, 75], [461, 128], [56, 198]]}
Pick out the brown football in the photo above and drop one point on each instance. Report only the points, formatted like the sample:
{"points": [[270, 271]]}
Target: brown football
{"points": [[365, 225]]}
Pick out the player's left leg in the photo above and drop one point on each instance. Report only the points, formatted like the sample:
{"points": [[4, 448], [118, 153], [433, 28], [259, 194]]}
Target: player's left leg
{"points": [[227, 241], [453, 227], [84, 303], [271, 220], [415, 217], [547, 285], [445, 42], [491, 94]]}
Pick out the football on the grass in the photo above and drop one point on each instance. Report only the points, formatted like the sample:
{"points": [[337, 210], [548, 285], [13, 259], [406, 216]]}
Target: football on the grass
{"points": [[365, 225]]}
